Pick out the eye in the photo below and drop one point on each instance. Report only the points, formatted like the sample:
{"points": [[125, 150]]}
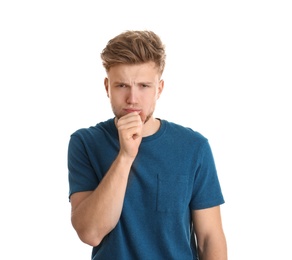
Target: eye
{"points": [[144, 85], [121, 85]]}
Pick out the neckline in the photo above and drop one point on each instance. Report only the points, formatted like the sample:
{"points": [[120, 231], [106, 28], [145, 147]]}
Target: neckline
{"points": [[148, 138]]}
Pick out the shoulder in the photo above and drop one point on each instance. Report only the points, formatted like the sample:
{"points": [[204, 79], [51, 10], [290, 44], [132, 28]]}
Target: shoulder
{"points": [[183, 132], [100, 129]]}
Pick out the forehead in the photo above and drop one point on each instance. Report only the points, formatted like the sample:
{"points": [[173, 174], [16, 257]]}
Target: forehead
{"points": [[126, 72]]}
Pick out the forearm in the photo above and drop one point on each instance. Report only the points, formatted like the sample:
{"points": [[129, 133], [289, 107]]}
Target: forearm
{"points": [[213, 249], [98, 214]]}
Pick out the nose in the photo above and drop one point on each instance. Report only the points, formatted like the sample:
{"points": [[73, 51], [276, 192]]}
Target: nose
{"points": [[132, 96]]}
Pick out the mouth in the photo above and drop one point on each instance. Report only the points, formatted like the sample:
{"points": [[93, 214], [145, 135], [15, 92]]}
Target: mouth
{"points": [[130, 110]]}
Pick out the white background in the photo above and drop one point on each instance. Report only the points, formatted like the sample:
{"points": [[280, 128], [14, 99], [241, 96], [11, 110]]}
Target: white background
{"points": [[228, 76]]}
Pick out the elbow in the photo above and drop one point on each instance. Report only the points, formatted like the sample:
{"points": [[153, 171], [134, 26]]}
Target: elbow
{"points": [[92, 234], [88, 235], [89, 238]]}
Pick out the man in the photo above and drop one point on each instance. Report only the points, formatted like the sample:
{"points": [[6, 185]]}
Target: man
{"points": [[143, 187]]}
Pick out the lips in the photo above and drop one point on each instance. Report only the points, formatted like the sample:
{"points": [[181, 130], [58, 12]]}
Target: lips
{"points": [[130, 110]]}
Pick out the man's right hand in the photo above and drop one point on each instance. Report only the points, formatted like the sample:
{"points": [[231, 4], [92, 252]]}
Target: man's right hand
{"points": [[130, 133]]}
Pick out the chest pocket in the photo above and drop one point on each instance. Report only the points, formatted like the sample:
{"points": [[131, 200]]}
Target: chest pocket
{"points": [[171, 193]]}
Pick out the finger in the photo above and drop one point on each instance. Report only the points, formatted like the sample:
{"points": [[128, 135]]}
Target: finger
{"points": [[129, 120], [143, 117]]}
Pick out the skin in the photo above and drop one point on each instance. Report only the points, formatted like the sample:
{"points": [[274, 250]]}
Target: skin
{"points": [[133, 91]]}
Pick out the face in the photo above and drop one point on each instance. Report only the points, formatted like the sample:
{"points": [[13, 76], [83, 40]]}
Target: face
{"points": [[134, 88]]}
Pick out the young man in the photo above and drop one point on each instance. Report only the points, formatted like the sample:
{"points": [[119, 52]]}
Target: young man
{"points": [[143, 187]]}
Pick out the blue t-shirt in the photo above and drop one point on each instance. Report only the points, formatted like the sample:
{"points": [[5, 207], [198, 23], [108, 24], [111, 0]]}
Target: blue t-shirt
{"points": [[173, 173]]}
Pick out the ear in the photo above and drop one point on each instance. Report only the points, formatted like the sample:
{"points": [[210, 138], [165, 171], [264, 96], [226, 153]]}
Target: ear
{"points": [[105, 82], [160, 88]]}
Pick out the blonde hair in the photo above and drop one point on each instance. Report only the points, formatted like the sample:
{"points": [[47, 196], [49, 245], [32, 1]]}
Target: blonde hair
{"points": [[134, 47]]}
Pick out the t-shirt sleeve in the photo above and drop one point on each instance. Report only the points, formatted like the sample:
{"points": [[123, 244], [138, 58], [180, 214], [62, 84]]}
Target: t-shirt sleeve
{"points": [[206, 187], [81, 173]]}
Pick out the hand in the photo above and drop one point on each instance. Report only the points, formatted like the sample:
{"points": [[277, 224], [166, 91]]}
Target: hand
{"points": [[130, 133]]}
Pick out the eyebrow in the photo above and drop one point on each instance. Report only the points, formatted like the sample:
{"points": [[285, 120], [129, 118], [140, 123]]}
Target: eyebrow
{"points": [[141, 82]]}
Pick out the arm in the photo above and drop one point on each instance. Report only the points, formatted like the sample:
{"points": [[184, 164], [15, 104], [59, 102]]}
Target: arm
{"points": [[95, 213], [209, 234]]}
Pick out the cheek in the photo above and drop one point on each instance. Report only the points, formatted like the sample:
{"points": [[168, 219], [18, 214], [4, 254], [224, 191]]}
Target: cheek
{"points": [[150, 105], [114, 98]]}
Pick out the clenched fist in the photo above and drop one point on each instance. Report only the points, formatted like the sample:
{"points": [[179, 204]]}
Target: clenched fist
{"points": [[130, 133]]}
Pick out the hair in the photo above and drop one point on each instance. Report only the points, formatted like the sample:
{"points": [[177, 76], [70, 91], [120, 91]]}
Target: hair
{"points": [[134, 47]]}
